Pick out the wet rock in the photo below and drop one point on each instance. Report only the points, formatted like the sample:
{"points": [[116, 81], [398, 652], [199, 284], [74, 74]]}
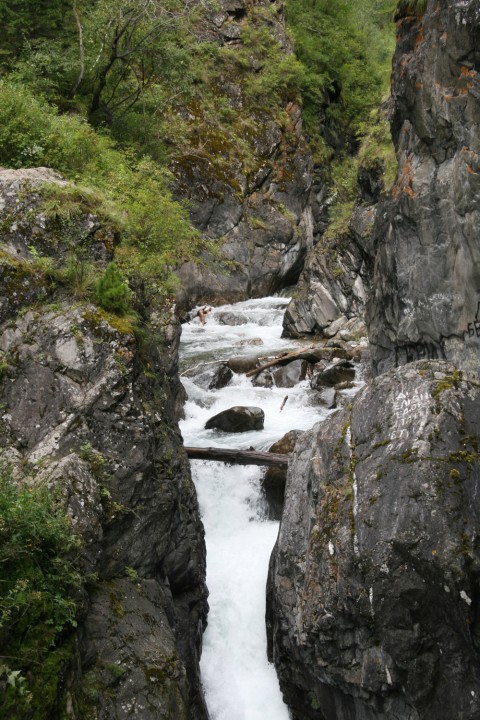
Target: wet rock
{"points": [[328, 397], [274, 480], [237, 419], [231, 318], [250, 341], [214, 378], [375, 580], [290, 375], [243, 364], [263, 379], [340, 372]]}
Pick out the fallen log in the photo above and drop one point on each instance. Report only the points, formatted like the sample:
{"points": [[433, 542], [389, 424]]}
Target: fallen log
{"points": [[238, 457], [282, 360]]}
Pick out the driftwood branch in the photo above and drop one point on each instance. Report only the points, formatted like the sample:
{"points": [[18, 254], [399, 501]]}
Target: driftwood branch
{"points": [[281, 360], [238, 457]]}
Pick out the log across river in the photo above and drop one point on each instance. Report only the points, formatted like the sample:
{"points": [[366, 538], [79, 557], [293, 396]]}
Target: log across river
{"points": [[238, 457], [239, 682]]}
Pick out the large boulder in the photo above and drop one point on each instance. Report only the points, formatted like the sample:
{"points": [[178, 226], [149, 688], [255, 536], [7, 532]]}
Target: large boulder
{"points": [[374, 585], [425, 301], [290, 375], [237, 419], [338, 372]]}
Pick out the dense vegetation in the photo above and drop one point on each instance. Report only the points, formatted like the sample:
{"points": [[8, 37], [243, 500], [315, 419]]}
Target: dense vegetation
{"points": [[113, 93], [346, 50], [39, 580]]}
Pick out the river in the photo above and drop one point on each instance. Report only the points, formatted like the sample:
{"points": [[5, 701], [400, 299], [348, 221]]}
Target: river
{"points": [[239, 682]]}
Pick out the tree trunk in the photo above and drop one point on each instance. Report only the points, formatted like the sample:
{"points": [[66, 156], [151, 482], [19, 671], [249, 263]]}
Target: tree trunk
{"points": [[238, 457]]}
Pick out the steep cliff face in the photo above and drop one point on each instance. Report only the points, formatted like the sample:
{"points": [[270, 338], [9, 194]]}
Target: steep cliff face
{"points": [[247, 169], [375, 580], [331, 293], [425, 301], [87, 408]]}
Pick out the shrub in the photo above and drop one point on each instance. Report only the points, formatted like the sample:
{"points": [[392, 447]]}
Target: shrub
{"points": [[112, 292], [37, 607]]}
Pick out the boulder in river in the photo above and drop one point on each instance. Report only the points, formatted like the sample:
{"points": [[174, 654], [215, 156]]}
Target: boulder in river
{"points": [[237, 419], [214, 378], [339, 372], [232, 318], [289, 375], [374, 585]]}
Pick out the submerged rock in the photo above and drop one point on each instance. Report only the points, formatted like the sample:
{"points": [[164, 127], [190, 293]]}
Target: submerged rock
{"points": [[374, 584], [237, 419]]}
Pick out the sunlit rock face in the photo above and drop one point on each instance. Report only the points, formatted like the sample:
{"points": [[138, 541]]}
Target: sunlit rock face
{"points": [[374, 584], [425, 300]]}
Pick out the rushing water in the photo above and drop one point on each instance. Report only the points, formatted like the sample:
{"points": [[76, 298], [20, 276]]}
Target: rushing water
{"points": [[239, 682]]}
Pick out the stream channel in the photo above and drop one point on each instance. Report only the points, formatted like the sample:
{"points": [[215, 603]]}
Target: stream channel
{"points": [[239, 682]]}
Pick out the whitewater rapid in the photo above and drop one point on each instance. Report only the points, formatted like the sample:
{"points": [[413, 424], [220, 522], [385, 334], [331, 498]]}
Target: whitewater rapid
{"points": [[239, 682]]}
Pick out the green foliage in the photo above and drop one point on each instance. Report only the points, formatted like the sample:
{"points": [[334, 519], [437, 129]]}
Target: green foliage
{"points": [[37, 606], [376, 151], [411, 7], [346, 49], [130, 196], [112, 292], [27, 20]]}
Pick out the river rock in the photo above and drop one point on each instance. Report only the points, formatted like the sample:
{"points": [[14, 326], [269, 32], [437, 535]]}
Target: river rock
{"points": [[231, 318], [426, 279], [274, 480], [374, 584], [214, 378], [339, 372], [289, 375], [328, 397], [237, 419], [263, 379], [242, 365]]}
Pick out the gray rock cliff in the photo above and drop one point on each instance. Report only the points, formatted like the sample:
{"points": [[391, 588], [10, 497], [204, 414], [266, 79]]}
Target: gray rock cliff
{"points": [[425, 286], [374, 584], [88, 408]]}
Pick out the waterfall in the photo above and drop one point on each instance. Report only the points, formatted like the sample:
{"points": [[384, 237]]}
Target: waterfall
{"points": [[239, 682]]}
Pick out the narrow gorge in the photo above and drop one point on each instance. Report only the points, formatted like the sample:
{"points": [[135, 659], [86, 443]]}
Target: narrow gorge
{"points": [[208, 239]]}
